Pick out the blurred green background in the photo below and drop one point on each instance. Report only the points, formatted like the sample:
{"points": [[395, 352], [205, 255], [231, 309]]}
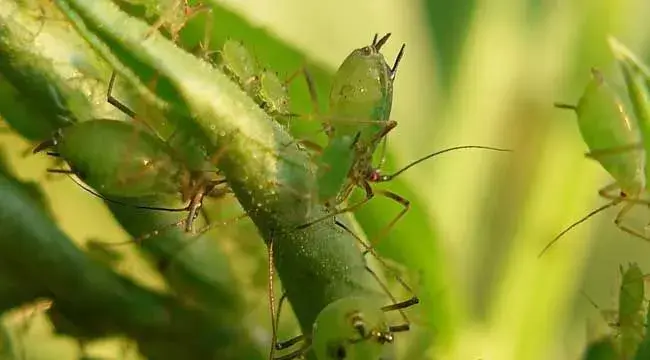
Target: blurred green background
{"points": [[474, 72]]}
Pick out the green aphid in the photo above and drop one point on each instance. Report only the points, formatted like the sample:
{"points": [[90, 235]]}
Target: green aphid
{"points": [[353, 328], [172, 15], [240, 65], [273, 95], [119, 160], [631, 310], [361, 98], [628, 319], [263, 86], [615, 141]]}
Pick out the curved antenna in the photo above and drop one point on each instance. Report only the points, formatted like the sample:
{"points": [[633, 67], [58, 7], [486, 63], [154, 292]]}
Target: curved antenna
{"points": [[155, 208], [44, 145], [390, 177], [584, 218]]}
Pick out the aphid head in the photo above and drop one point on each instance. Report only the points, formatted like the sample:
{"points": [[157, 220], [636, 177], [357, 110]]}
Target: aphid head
{"points": [[49, 143]]}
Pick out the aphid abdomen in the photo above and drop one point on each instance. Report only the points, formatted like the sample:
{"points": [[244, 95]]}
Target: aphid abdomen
{"points": [[240, 65], [608, 129], [117, 159], [361, 95]]}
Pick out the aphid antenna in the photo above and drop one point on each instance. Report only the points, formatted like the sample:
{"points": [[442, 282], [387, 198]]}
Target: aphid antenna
{"points": [[561, 105], [113, 201], [383, 178], [583, 219]]}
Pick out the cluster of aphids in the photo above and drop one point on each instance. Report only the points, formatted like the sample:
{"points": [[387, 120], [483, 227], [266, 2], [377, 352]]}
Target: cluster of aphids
{"points": [[141, 166], [126, 163]]}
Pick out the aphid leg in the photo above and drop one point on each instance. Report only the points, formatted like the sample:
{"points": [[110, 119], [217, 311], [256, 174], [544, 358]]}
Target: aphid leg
{"points": [[196, 204], [294, 355], [313, 94], [370, 194], [288, 343], [271, 290], [413, 300], [282, 345], [395, 305], [60, 171], [311, 85], [618, 221], [114, 101], [204, 51], [384, 178], [600, 153], [400, 200]]}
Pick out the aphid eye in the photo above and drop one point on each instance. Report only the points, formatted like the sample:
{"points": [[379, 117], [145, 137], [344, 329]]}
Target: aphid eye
{"points": [[623, 194]]}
